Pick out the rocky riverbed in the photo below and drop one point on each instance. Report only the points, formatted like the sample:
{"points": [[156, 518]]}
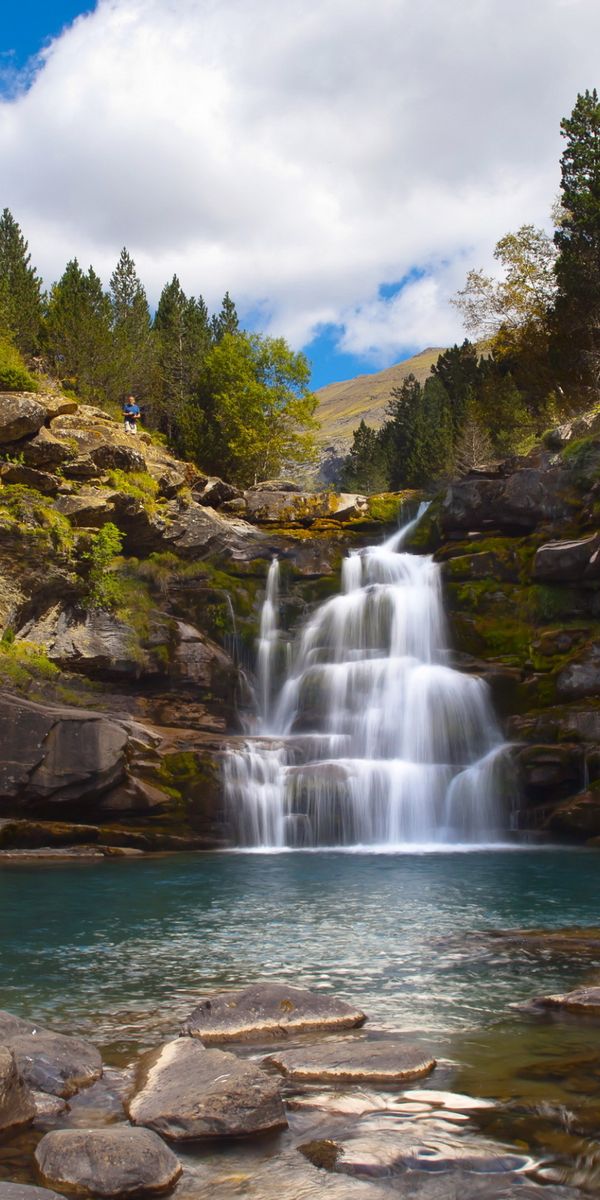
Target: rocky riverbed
{"points": [[293, 1106]]}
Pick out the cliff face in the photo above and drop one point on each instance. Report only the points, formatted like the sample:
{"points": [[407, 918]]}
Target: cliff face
{"points": [[112, 715], [520, 553], [112, 719]]}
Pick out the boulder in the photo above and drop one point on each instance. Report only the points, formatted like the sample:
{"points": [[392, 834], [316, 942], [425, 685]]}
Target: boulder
{"points": [[88, 508], [581, 426], [112, 456], [198, 531], [581, 677], [46, 450], [60, 753], [187, 1092], [302, 508], [566, 561], [584, 1001], [215, 491], [578, 816], [17, 1106], [20, 413], [117, 1161], [268, 1009], [48, 1061], [29, 477], [353, 1062]]}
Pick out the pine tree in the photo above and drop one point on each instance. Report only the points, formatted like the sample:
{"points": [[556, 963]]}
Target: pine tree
{"points": [[458, 370], [226, 321], [365, 467], [20, 288], [576, 341], [78, 332], [183, 338], [132, 331]]}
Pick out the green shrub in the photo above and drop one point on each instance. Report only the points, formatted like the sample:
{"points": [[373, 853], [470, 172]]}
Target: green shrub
{"points": [[104, 588], [14, 376], [139, 484]]}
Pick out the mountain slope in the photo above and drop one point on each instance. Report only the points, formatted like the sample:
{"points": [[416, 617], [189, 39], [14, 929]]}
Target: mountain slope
{"points": [[343, 405]]}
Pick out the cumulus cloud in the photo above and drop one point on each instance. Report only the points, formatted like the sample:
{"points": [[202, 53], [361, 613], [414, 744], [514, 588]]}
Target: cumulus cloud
{"points": [[301, 155]]}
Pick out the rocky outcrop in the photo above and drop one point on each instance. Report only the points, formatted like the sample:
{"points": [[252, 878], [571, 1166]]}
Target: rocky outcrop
{"points": [[518, 501], [269, 507], [17, 1107], [187, 1092], [385, 1062], [107, 1162], [268, 1009]]}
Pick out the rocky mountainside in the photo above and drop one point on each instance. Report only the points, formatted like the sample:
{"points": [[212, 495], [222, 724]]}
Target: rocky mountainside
{"points": [[113, 714], [343, 405]]}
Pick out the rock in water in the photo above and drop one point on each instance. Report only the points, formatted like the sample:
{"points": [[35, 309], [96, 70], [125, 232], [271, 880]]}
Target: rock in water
{"points": [[16, 1102], [354, 1062], [48, 1061], [187, 1091], [585, 1001], [271, 1009], [107, 1162]]}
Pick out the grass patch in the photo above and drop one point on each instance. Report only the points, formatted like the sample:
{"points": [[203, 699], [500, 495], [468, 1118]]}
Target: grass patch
{"points": [[138, 484]]}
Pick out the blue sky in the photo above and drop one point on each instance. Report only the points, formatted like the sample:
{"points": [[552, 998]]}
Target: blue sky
{"points": [[339, 181]]}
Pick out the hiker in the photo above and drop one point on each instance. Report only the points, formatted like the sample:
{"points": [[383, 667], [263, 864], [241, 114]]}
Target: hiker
{"points": [[131, 414]]}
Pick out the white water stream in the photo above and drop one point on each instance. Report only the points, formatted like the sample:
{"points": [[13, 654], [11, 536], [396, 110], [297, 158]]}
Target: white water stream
{"points": [[371, 740]]}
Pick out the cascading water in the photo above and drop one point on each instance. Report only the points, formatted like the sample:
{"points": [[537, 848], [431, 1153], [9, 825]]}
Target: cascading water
{"points": [[371, 740]]}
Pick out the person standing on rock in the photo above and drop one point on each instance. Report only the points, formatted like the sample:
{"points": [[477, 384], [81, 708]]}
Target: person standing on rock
{"points": [[131, 414]]}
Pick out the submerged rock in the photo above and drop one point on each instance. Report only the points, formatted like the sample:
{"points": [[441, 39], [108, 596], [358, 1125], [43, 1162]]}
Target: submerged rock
{"points": [[361, 1061], [381, 1153], [48, 1061], [107, 1162], [17, 1105], [584, 1001], [187, 1092], [271, 1009]]}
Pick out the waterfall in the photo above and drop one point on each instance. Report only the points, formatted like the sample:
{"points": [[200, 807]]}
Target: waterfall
{"points": [[371, 740]]}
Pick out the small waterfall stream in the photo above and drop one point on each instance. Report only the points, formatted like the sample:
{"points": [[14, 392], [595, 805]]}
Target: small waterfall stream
{"points": [[371, 740]]}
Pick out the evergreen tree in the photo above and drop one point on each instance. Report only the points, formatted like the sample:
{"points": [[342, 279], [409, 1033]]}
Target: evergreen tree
{"points": [[78, 332], [399, 431], [365, 467], [132, 330], [458, 371], [183, 339], [20, 288], [226, 321], [432, 455], [576, 341]]}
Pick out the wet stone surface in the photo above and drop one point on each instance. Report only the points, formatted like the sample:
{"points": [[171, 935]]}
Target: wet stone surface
{"points": [[361, 1061], [114, 1162], [270, 1009]]}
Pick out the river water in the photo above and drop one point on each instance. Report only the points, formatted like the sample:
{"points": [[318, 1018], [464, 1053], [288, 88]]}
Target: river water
{"points": [[119, 951]]}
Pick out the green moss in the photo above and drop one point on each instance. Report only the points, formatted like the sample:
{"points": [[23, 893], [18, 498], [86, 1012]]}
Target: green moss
{"points": [[26, 514], [24, 664], [138, 484], [582, 457]]}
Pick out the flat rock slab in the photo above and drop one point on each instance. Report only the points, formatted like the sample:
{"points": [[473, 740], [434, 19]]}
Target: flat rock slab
{"points": [[187, 1092], [584, 1001], [17, 1107], [119, 1161], [269, 1009], [48, 1061], [348, 1062]]}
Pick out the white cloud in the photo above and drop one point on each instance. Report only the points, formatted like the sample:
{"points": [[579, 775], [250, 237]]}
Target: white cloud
{"points": [[299, 154]]}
